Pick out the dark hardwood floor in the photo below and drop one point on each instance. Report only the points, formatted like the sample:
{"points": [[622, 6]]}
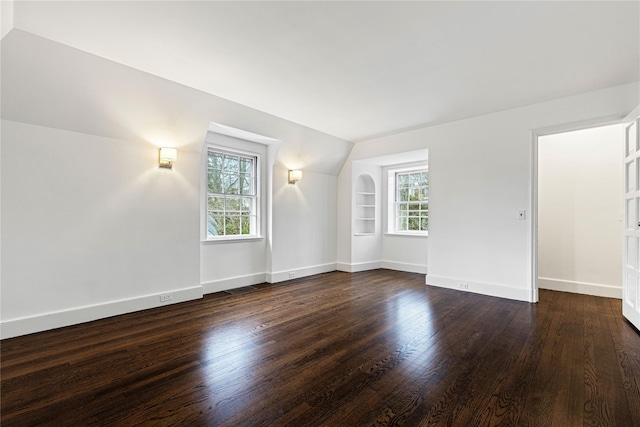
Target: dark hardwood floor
{"points": [[337, 349]]}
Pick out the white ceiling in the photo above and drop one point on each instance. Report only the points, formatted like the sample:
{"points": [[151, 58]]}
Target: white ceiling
{"points": [[359, 69]]}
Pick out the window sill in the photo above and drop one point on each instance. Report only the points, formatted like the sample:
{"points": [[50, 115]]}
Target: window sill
{"points": [[424, 236], [231, 239]]}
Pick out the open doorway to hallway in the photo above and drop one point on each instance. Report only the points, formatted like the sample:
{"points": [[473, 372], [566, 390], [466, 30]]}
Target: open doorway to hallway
{"points": [[580, 211]]}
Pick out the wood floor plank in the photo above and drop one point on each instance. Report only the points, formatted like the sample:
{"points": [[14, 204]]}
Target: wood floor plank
{"points": [[336, 349]]}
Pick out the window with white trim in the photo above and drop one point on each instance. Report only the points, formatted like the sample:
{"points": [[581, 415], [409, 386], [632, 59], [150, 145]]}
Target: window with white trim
{"points": [[411, 202], [232, 194]]}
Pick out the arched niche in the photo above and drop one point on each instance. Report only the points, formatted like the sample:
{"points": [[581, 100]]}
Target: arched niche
{"points": [[365, 205]]}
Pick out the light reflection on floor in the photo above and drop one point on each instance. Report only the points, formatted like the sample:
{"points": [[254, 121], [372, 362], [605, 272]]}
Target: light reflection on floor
{"points": [[231, 351], [415, 332], [228, 350]]}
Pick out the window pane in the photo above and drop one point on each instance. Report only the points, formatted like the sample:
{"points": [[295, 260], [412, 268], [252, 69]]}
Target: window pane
{"points": [[214, 182], [246, 204], [232, 204], [231, 184], [245, 223], [411, 197], [232, 224], [228, 177], [402, 223], [246, 165], [216, 204], [231, 164], [215, 225], [215, 161], [245, 184]]}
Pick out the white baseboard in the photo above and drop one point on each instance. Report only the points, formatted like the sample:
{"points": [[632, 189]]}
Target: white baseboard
{"points": [[281, 276], [597, 289], [494, 290], [403, 266], [233, 283], [43, 322], [358, 266]]}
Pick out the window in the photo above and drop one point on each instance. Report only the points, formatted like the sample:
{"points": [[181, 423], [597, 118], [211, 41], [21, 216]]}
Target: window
{"points": [[232, 194], [411, 202]]}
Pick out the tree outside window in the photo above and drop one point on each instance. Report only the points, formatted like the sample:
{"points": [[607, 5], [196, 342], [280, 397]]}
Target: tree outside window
{"points": [[412, 201], [231, 194]]}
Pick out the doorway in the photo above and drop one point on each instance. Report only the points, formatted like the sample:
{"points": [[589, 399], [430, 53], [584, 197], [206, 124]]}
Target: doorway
{"points": [[579, 211]]}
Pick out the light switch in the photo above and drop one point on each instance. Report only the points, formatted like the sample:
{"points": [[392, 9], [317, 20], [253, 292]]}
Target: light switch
{"points": [[521, 214]]}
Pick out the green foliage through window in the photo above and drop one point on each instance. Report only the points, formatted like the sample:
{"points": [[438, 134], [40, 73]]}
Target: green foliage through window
{"points": [[412, 201], [231, 194]]}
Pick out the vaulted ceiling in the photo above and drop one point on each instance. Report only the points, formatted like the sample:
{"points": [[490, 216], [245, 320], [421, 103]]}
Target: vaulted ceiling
{"points": [[359, 69]]}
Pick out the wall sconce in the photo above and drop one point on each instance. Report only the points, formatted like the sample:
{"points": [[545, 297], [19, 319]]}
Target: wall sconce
{"points": [[167, 157], [294, 176]]}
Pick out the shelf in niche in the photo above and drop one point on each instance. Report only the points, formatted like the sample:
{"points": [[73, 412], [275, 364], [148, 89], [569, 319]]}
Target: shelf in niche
{"points": [[365, 204]]}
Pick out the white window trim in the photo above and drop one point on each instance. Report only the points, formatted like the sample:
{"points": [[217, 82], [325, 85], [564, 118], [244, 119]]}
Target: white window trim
{"points": [[391, 199], [205, 238]]}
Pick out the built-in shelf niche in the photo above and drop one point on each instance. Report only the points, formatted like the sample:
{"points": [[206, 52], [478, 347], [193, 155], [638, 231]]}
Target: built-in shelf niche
{"points": [[365, 206]]}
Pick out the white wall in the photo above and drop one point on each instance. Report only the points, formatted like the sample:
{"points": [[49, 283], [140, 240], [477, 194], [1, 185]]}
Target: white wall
{"points": [[304, 224], [480, 176], [80, 136], [92, 221], [344, 223], [580, 179]]}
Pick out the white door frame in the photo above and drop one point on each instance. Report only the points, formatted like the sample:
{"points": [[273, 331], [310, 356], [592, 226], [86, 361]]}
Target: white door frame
{"points": [[533, 184]]}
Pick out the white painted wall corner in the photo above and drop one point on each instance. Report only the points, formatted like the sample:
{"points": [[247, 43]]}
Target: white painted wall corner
{"points": [[403, 266], [233, 283], [358, 266]]}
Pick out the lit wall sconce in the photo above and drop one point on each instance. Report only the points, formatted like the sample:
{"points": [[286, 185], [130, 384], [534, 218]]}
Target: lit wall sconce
{"points": [[167, 157], [294, 176]]}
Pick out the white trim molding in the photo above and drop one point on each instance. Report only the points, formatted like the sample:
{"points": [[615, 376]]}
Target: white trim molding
{"points": [[596, 289], [358, 266], [490, 289], [233, 283], [284, 275], [269, 277], [58, 319], [404, 266]]}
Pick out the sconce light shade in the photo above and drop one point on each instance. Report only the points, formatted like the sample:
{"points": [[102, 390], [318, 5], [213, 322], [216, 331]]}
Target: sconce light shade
{"points": [[167, 157], [294, 176]]}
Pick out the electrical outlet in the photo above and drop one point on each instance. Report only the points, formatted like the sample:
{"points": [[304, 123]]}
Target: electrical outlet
{"points": [[166, 297], [292, 274], [463, 285]]}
